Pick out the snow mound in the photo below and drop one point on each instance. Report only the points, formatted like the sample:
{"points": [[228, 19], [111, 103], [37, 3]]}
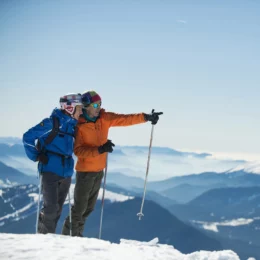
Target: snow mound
{"points": [[58, 247]]}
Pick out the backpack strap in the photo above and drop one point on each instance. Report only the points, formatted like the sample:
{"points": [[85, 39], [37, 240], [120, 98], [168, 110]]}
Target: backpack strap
{"points": [[54, 132], [64, 133]]}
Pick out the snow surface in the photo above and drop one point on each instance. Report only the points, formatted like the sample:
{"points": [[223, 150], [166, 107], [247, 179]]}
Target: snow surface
{"points": [[52, 247]]}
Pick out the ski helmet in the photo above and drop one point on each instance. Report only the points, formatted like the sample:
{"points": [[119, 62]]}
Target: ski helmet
{"points": [[69, 102]]}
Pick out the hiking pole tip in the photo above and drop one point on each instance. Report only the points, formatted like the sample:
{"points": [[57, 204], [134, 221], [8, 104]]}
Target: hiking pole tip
{"points": [[140, 215]]}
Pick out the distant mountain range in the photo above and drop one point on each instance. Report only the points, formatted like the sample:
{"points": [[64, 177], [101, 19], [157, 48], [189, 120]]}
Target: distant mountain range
{"points": [[131, 160], [10, 140], [10, 176], [12, 150], [185, 188], [222, 206]]}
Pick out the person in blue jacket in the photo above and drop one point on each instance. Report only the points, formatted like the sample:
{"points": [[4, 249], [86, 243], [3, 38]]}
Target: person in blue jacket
{"points": [[50, 143]]}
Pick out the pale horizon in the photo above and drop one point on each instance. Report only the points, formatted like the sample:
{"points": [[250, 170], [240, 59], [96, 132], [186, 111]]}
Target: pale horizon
{"points": [[196, 62]]}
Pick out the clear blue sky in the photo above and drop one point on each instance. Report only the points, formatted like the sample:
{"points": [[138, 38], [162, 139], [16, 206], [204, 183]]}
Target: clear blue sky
{"points": [[197, 61]]}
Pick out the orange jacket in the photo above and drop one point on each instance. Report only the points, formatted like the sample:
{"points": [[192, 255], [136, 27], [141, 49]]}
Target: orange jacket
{"points": [[90, 135]]}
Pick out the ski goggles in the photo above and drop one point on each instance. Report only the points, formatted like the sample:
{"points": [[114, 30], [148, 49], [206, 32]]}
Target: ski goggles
{"points": [[95, 105]]}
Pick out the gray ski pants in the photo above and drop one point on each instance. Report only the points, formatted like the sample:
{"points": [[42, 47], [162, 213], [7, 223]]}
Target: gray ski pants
{"points": [[54, 190], [85, 197]]}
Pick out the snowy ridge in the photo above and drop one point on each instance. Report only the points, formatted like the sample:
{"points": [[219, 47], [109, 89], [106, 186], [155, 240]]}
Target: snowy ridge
{"points": [[109, 195], [52, 247], [213, 226], [7, 184], [251, 167], [21, 210], [16, 215], [31, 193]]}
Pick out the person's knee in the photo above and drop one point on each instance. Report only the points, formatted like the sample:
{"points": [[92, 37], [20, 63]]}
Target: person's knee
{"points": [[88, 212], [90, 209], [92, 205], [79, 209], [50, 212]]}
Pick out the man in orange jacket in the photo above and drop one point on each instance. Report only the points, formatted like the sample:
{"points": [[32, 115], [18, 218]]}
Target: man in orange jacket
{"points": [[91, 147]]}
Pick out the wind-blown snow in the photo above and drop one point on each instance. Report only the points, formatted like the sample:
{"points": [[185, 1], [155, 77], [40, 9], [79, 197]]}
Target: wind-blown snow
{"points": [[252, 167], [52, 247]]}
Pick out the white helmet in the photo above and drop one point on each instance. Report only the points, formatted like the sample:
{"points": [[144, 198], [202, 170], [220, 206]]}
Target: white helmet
{"points": [[69, 102]]}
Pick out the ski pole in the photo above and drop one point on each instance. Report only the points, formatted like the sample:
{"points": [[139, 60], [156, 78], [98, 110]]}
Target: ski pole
{"points": [[103, 199], [70, 213], [39, 200], [140, 214]]}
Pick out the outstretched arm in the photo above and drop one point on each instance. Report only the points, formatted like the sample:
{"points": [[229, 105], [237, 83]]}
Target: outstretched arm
{"points": [[114, 119]]}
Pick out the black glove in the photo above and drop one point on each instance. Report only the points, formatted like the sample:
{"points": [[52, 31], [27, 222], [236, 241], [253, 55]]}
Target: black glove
{"points": [[153, 117], [43, 158], [106, 148]]}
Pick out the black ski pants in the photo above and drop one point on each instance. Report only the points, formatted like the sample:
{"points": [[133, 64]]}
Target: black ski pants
{"points": [[54, 191], [85, 197]]}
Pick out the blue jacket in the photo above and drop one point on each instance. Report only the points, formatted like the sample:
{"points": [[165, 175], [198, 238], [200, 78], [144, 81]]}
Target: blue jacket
{"points": [[62, 144]]}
